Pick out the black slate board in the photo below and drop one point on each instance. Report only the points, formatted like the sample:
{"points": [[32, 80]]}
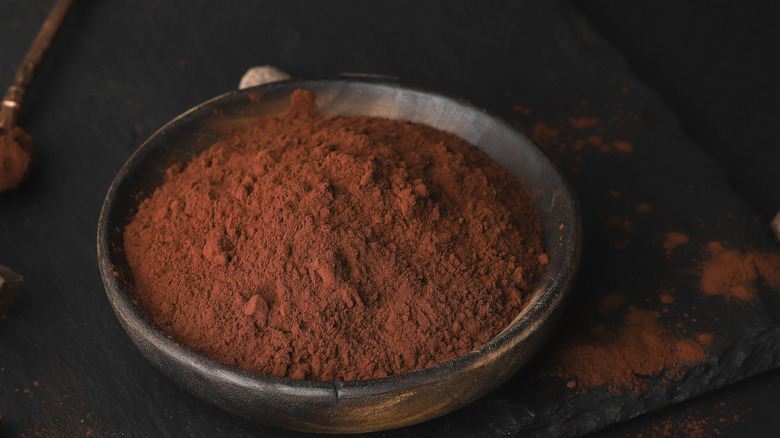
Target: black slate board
{"points": [[121, 69]]}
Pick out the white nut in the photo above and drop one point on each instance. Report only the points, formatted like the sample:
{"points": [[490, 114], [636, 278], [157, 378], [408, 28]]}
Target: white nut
{"points": [[262, 75]]}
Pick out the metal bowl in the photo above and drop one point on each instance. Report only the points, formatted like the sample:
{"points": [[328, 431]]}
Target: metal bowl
{"points": [[351, 406]]}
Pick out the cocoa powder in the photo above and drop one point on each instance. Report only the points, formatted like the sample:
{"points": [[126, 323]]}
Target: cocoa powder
{"points": [[737, 274], [16, 157], [621, 358], [335, 248], [627, 344], [693, 423]]}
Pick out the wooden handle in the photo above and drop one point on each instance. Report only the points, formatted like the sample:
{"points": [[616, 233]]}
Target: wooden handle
{"points": [[12, 101]]}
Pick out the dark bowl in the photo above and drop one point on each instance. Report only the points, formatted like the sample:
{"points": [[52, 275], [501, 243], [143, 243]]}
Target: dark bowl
{"points": [[352, 406]]}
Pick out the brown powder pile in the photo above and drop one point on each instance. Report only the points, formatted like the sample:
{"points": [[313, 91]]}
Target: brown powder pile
{"points": [[335, 248], [734, 274], [624, 357], [16, 157]]}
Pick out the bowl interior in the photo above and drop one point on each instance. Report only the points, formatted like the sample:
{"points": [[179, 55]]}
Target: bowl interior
{"points": [[358, 405]]}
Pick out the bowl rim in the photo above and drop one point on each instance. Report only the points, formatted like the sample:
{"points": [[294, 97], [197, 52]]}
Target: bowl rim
{"points": [[543, 303]]}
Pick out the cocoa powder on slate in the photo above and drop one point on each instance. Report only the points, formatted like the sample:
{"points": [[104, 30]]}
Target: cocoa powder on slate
{"points": [[335, 248]]}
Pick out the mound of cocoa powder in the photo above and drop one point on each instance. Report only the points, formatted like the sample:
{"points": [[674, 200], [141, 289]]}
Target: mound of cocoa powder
{"points": [[335, 248]]}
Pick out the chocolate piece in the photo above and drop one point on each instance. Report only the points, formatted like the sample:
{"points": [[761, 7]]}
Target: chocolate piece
{"points": [[10, 282]]}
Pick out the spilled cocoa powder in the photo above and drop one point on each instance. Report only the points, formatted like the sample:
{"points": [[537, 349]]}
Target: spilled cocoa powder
{"points": [[570, 137], [736, 274], [623, 357], [626, 344], [695, 424], [636, 351], [673, 239], [335, 248]]}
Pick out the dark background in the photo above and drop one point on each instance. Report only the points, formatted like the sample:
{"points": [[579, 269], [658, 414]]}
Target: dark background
{"points": [[716, 65], [119, 70]]}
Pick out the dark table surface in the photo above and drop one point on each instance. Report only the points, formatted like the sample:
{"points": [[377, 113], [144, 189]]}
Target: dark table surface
{"points": [[119, 70], [714, 65], [711, 64]]}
